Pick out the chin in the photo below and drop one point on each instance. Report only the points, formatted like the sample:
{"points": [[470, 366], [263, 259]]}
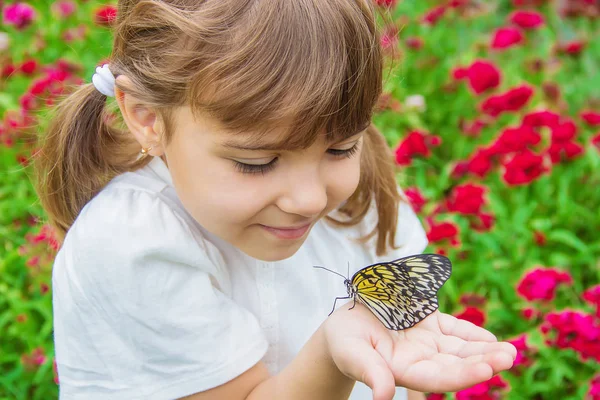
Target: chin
{"points": [[274, 253]]}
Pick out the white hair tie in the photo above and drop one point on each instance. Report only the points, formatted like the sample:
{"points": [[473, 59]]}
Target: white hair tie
{"points": [[104, 81]]}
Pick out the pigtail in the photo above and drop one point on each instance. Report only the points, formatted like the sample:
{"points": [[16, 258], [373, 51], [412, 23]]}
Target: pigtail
{"points": [[377, 185], [79, 154]]}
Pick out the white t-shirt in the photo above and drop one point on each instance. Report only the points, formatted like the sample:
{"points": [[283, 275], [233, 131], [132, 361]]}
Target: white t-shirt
{"points": [[149, 305]]}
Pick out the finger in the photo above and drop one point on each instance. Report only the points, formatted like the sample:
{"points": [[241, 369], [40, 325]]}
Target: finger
{"points": [[437, 377], [450, 325], [368, 366], [462, 348]]}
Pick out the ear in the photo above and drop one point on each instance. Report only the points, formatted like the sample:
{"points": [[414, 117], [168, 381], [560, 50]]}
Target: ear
{"points": [[141, 120]]}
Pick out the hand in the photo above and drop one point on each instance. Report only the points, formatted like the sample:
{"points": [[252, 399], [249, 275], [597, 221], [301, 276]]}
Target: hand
{"points": [[439, 354]]}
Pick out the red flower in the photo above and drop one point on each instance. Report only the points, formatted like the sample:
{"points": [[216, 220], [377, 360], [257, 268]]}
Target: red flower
{"points": [[106, 15], [29, 67], [591, 118], [562, 142], [45, 235], [432, 16], [523, 168], [480, 164], [506, 37], [541, 283], [483, 222], [515, 139], [389, 38], [466, 199], [438, 396], [8, 70], [414, 42], [541, 118], [386, 3], [573, 48], [523, 351], [530, 313], [596, 141], [527, 19], [416, 143], [594, 393], [442, 231], [512, 100], [574, 330], [564, 151], [472, 128], [460, 169], [482, 75], [64, 8], [473, 315], [592, 296], [416, 198], [564, 132], [19, 15], [539, 238], [34, 359], [490, 390]]}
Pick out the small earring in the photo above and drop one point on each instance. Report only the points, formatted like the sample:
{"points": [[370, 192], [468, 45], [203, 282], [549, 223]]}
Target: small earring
{"points": [[144, 152]]}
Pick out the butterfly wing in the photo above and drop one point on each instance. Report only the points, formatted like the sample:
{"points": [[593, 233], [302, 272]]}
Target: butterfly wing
{"points": [[403, 292], [387, 292], [428, 272]]}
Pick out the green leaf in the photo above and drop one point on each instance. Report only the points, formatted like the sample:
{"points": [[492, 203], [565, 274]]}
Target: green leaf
{"points": [[569, 239]]}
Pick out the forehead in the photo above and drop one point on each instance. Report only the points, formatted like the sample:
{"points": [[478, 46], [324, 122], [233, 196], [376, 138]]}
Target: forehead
{"points": [[281, 136]]}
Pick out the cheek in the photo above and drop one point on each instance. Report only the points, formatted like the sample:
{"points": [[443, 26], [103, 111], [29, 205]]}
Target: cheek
{"points": [[218, 195], [343, 178]]}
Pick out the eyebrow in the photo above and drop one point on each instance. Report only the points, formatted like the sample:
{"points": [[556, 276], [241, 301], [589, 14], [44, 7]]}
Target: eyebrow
{"points": [[251, 143]]}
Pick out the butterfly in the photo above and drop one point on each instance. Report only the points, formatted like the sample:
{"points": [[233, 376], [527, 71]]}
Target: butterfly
{"points": [[401, 293]]}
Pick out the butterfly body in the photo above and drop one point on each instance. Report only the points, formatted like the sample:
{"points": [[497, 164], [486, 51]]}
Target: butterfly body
{"points": [[402, 292]]}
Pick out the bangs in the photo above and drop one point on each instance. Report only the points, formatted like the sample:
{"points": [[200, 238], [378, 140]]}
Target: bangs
{"points": [[311, 67]]}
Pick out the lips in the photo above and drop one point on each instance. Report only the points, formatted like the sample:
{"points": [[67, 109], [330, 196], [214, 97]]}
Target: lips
{"points": [[287, 233]]}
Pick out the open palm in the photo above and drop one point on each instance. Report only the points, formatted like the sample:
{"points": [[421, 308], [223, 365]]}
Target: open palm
{"points": [[439, 354]]}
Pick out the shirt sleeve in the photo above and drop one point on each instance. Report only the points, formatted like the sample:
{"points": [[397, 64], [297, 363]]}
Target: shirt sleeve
{"points": [[138, 313]]}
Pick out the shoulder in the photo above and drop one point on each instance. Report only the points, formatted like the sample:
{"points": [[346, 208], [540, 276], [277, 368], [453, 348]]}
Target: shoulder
{"points": [[126, 230], [141, 217]]}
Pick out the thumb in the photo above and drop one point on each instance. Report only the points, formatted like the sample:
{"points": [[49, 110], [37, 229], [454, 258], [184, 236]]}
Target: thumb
{"points": [[368, 366]]}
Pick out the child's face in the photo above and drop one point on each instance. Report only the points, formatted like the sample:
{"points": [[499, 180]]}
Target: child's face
{"points": [[245, 205]]}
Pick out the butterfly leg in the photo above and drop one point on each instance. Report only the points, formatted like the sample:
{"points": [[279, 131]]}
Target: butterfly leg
{"points": [[353, 304], [336, 299]]}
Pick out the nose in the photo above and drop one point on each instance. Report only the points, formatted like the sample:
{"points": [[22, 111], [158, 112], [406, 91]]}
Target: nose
{"points": [[305, 194]]}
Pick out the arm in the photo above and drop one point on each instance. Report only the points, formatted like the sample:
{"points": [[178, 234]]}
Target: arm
{"points": [[311, 375], [440, 354]]}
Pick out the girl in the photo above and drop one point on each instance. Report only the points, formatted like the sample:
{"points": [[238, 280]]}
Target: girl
{"points": [[187, 270]]}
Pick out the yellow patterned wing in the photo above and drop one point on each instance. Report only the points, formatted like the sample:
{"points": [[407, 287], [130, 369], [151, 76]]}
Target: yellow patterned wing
{"points": [[403, 292]]}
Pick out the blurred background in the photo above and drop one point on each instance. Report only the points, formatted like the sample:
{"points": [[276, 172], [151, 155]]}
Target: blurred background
{"points": [[492, 109]]}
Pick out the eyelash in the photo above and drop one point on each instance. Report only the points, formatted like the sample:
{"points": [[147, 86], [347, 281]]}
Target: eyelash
{"points": [[264, 168]]}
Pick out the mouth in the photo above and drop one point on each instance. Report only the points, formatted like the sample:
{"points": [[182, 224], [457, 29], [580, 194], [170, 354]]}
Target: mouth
{"points": [[289, 233]]}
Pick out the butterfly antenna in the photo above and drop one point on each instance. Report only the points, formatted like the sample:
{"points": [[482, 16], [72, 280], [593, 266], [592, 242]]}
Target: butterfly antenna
{"points": [[327, 269]]}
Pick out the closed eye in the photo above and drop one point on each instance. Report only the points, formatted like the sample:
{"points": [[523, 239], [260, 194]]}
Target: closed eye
{"points": [[345, 152], [264, 168]]}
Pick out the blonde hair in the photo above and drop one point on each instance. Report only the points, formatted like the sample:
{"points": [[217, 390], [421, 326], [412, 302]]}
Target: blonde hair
{"points": [[249, 63]]}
